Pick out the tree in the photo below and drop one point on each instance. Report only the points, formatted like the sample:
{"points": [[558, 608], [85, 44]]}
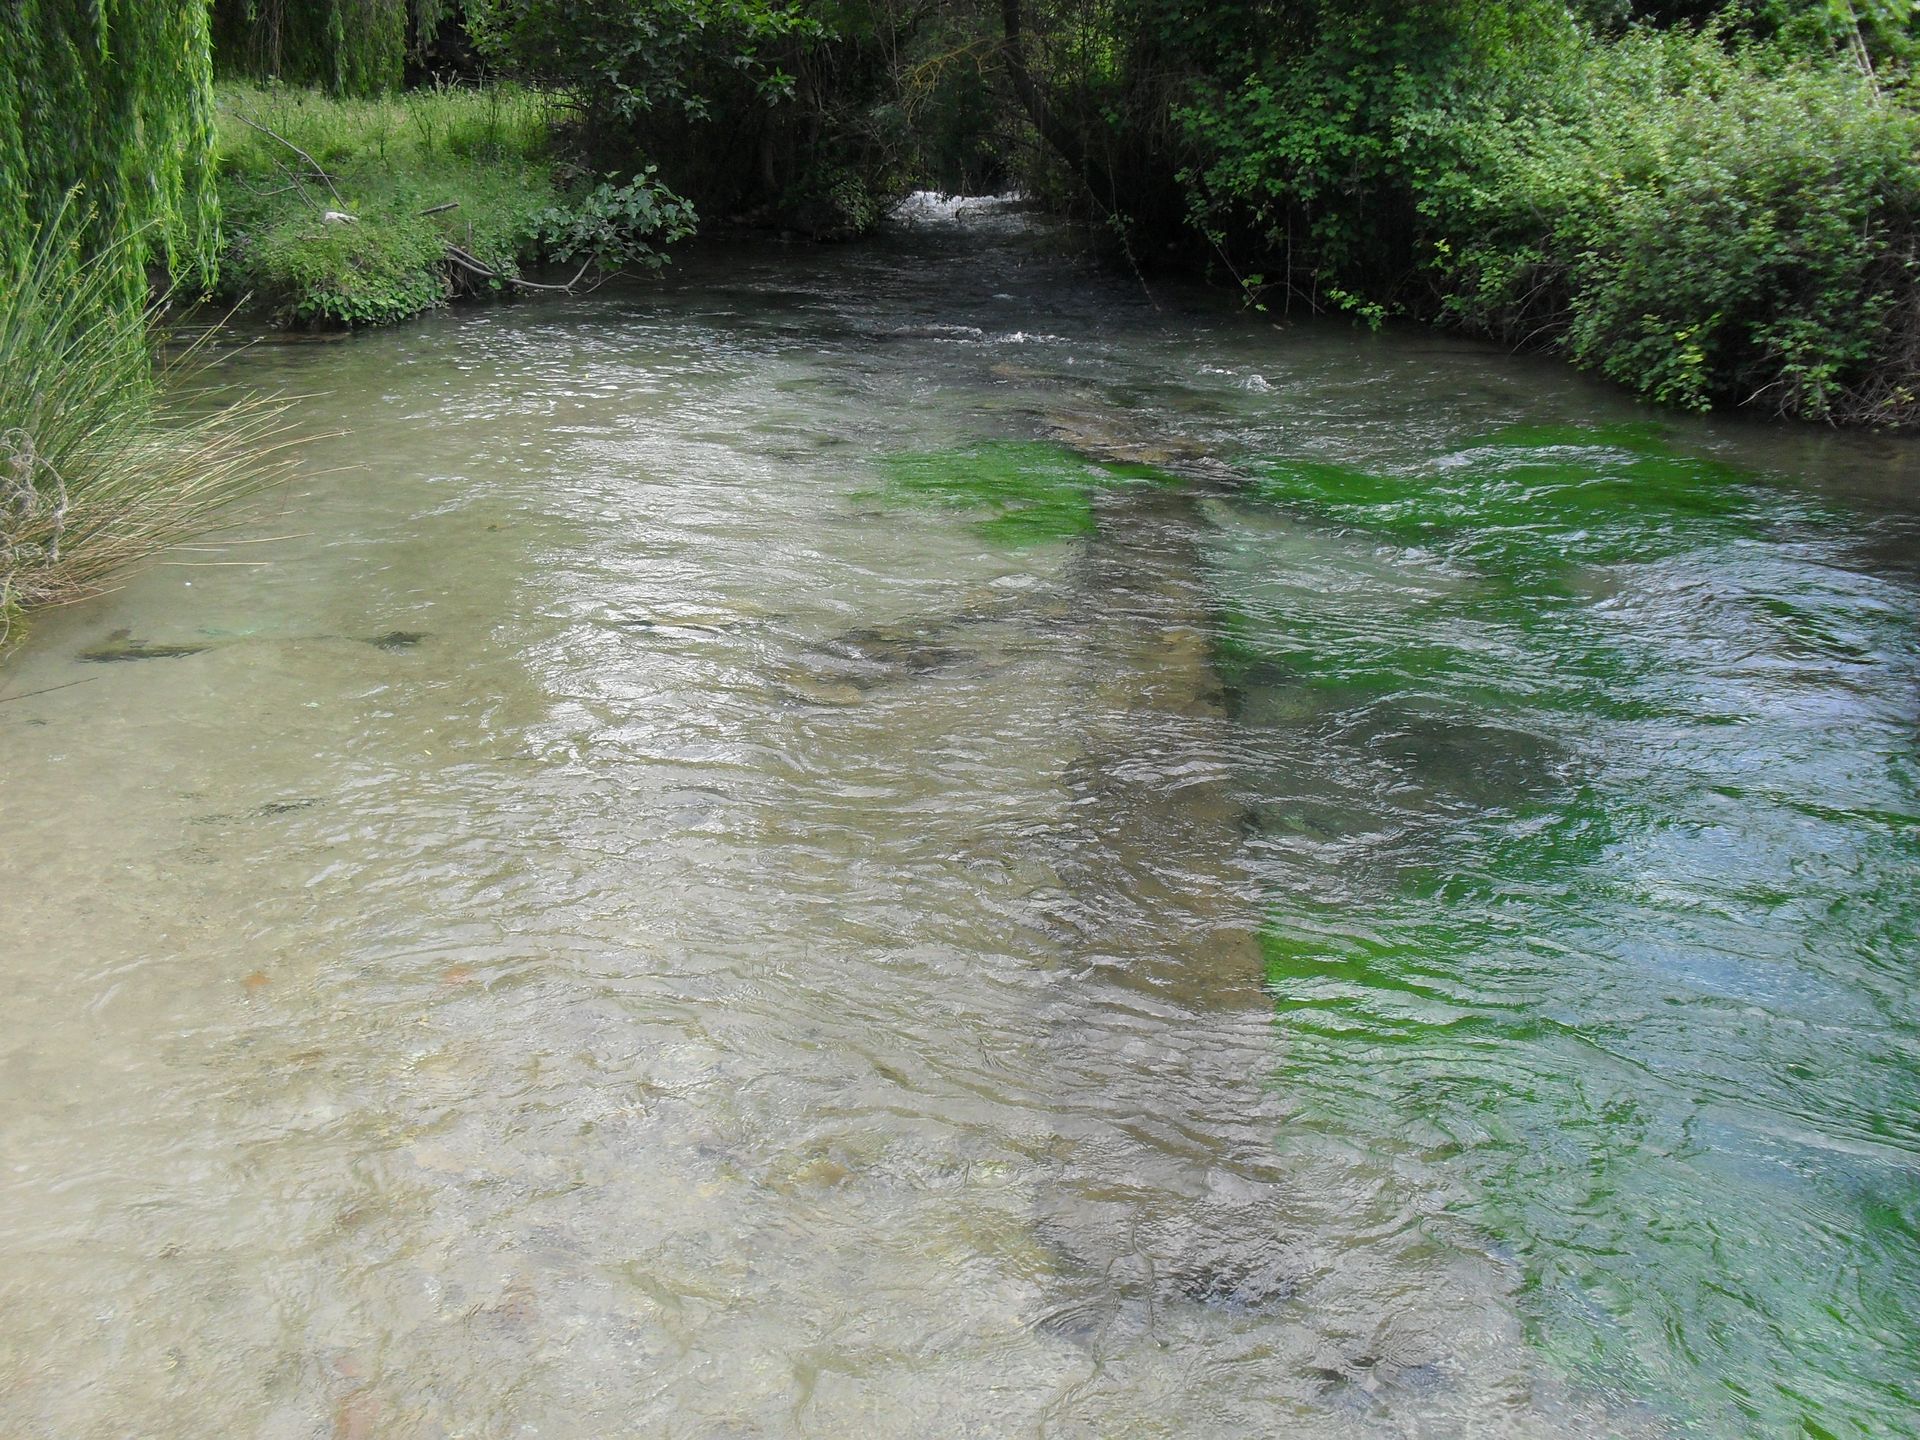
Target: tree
{"points": [[112, 99]]}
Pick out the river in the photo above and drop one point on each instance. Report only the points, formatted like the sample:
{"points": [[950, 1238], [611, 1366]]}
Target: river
{"points": [[915, 839]]}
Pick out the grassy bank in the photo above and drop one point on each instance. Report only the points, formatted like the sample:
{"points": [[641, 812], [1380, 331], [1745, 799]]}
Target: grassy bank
{"points": [[104, 460], [342, 212], [385, 163]]}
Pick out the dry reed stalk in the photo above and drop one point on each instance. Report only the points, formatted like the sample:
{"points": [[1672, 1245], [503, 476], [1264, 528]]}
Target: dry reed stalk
{"points": [[106, 461]]}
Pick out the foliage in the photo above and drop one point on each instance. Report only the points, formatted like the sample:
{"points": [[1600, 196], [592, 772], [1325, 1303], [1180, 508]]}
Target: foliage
{"points": [[1872, 30], [1318, 155], [620, 62], [788, 112], [385, 162], [617, 225], [1718, 214], [1704, 224], [92, 476], [113, 98]]}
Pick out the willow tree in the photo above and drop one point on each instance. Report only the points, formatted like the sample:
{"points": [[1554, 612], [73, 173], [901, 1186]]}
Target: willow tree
{"points": [[109, 102], [348, 47]]}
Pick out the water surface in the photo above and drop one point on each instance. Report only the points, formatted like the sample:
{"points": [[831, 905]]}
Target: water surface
{"points": [[916, 840]]}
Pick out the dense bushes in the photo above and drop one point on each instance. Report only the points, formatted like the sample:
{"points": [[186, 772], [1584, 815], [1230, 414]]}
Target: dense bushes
{"points": [[788, 113], [1704, 224], [1717, 215], [1309, 166]]}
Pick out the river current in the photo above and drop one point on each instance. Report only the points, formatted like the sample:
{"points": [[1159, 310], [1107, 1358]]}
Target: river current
{"points": [[917, 839]]}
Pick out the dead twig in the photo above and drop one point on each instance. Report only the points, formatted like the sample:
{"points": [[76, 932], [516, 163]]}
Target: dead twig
{"points": [[48, 690]]}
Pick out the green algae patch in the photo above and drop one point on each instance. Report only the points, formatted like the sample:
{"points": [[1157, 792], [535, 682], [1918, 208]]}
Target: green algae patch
{"points": [[1531, 499], [1022, 492]]}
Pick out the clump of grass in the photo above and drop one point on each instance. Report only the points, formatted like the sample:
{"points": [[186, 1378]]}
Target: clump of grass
{"points": [[97, 470]]}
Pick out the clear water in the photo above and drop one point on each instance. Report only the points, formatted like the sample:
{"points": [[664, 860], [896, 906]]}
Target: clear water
{"points": [[913, 840]]}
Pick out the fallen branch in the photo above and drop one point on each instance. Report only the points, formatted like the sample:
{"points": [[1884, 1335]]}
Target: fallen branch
{"points": [[441, 208], [318, 171], [474, 267], [29, 694]]}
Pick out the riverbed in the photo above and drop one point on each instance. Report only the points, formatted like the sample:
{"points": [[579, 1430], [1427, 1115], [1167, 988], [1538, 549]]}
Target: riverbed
{"points": [[920, 839]]}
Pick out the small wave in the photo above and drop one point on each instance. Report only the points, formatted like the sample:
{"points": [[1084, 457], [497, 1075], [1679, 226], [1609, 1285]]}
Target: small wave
{"points": [[967, 333]]}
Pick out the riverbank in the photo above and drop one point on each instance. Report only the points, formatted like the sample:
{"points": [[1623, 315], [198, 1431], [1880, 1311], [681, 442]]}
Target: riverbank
{"points": [[343, 212], [96, 471], [1709, 223]]}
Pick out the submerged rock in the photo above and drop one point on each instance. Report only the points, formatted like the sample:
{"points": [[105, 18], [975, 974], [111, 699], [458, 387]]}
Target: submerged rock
{"points": [[842, 669], [121, 646], [960, 333], [1110, 439], [284, 807]]}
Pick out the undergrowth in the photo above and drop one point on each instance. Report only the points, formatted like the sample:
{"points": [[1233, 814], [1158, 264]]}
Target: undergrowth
{"points": [[1702, 223], [418, 176], [1708, 216]]}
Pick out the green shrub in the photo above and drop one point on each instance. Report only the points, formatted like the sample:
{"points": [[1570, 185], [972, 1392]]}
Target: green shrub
{"points": [[776, 112], [1704, 224], [1315, 157], [617, 224], [1705, 218]]}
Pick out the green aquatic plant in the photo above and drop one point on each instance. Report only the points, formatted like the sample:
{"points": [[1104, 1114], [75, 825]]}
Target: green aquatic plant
{"points": [[1541, 942], [1026, 492], [1521, 498], [1468, 580]]}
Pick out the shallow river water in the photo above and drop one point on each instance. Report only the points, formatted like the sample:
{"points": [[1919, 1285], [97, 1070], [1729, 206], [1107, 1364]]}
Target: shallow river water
{"points": [[912, 840]]}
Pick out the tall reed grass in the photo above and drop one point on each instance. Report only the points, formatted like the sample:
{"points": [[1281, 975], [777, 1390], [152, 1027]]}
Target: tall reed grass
{"points": [[106, 459]]}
